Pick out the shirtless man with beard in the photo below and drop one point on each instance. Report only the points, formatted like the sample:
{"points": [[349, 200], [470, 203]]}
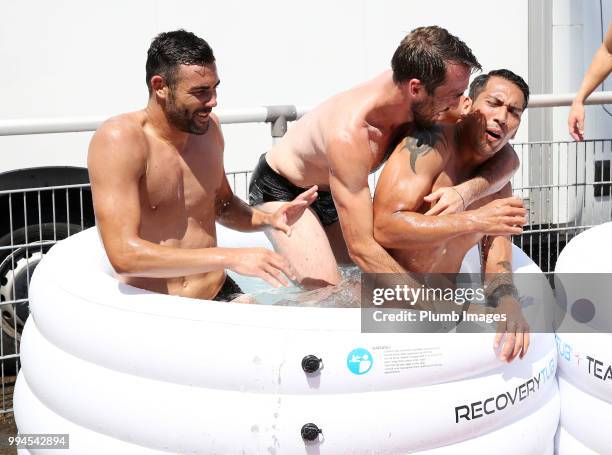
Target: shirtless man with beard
{"points": [[159, 185], [339, 143], [448, 155]]}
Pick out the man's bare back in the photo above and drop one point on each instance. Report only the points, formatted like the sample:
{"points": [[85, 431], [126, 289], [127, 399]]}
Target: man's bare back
{"points": [[301, 155]]}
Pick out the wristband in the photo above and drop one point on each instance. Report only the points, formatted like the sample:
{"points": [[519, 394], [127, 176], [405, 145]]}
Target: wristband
{"points": [[462, 200]]}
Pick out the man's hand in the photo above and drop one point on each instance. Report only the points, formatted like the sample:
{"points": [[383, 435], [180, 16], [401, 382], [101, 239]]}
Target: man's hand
{"points": [[575, 121], [445, 201], [262, 263], [515, 329], [290, 212], [473, 125], [500, 217]]}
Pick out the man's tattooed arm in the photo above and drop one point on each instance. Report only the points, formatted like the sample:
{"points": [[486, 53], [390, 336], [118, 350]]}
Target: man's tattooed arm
{"points": [[498, 275], [422, 142]]}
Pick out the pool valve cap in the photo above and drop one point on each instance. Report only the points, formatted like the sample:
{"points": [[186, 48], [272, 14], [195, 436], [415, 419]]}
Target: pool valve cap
{"points": [[310, 432], [311, 364]]}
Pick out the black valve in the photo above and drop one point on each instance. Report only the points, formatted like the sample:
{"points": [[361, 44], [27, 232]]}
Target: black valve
{"points": [[310, 432], [311, 364]]}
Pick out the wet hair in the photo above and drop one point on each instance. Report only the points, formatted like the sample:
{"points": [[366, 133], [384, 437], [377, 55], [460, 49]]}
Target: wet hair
{"points": [[424, 53], [170, 49], [480, 82]]}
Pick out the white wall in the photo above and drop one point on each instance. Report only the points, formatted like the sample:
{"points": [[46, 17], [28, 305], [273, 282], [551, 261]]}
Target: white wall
{"points": [[69, 57]]}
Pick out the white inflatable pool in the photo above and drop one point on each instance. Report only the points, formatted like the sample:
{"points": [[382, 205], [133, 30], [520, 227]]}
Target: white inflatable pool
{"points": [[124, 370], [585, 359]]}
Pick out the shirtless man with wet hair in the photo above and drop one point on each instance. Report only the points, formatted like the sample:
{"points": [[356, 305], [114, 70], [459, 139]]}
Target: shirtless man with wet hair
{"points": [[339, 143], [447, 155], [159, 185]]}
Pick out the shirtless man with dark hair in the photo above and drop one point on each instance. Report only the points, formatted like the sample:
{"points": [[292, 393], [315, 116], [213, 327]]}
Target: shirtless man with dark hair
{"points": [[159, 185], [448, 155], [339, 143]]}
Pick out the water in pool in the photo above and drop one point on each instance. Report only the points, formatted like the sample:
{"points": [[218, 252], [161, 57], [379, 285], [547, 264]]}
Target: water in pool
{"points": [[344, 295]]}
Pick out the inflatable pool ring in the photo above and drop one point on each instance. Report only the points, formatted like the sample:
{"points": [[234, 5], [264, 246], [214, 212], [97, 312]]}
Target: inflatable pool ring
{"points": [[123, 370], [569, 445], [585, 359]]}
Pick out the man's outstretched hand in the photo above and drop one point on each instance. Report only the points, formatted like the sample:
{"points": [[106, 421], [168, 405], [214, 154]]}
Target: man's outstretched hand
{"points": [[289, 213]]}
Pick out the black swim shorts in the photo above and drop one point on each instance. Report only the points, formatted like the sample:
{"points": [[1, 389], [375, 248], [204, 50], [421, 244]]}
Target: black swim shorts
{"points": [[229, 291], [266, 186]]}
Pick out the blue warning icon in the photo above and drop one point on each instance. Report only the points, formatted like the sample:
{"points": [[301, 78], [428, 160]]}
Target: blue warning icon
{"points": [[359, 361]]}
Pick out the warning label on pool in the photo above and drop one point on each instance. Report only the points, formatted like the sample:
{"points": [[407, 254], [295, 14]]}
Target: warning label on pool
{"points": [[398, 360], [359, 361]]}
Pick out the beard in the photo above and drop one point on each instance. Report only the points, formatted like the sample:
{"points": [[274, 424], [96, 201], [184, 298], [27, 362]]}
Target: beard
{"points": [[182, 119], [423, 114]]}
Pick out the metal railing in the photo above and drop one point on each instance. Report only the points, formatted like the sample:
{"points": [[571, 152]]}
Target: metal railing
{"points": [[277, 116], [569, 191]]}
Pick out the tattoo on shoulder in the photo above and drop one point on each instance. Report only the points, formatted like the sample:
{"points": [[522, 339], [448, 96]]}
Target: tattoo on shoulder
{"points": [[422, 142]]}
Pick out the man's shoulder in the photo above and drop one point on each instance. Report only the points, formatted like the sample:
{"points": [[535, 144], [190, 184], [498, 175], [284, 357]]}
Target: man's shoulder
{"points": [[440, 138], [129, 126], [120, 136], [348, 110], [428, 146], [357, 105]]}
